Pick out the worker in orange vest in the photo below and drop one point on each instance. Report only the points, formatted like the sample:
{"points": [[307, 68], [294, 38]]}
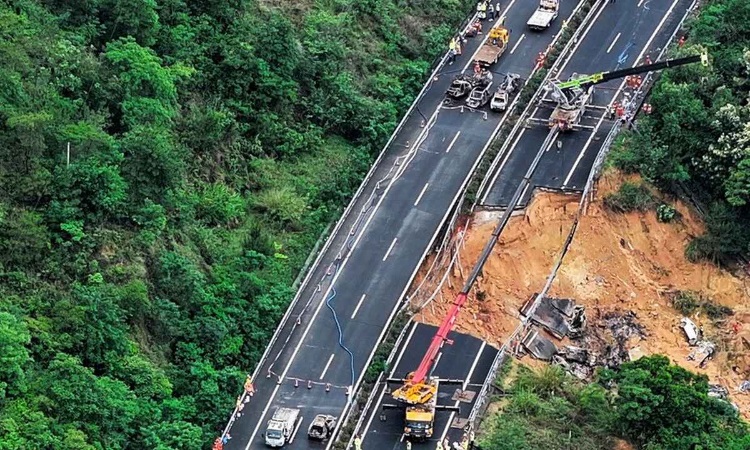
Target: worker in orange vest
{"points": [[218, 445], [540, 60], [681, 42], [477, 68]]}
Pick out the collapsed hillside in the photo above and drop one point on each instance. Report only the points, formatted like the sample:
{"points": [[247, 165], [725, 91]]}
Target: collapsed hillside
{"points": [[617, 263]]}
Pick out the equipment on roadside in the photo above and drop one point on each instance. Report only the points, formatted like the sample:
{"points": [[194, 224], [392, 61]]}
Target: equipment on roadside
{"points": [[573, 96], [544, 15]]}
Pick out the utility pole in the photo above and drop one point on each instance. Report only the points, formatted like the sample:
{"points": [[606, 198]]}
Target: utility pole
{"points": [[67, 159]]}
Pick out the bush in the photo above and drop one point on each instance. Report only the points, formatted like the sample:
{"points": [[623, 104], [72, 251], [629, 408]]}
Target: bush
{"points": [[666, 213], [686, 302], [630, 197]]}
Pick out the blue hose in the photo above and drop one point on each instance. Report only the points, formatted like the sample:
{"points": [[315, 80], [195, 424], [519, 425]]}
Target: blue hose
{"points": [[341, 334]]}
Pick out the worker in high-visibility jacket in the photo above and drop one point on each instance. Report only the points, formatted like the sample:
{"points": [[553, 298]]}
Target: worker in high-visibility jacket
{"points": [[357, 443]]}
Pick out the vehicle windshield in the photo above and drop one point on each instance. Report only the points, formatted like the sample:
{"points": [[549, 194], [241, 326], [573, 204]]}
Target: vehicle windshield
{"points": [[273, 434], [418, 425]]}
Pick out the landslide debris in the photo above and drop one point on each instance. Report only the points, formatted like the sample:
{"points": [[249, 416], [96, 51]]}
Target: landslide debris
{"points": [[626, 269]]}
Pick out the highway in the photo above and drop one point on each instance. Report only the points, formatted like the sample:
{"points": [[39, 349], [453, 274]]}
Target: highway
{"points": [[468, 359], [373, 254], [621, 36], [569, 167]]}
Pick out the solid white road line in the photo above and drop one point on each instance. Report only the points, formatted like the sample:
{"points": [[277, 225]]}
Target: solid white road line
{"points": [[517, 43], [609, 49], [421, 194], [593, 133], [359, 304], [463, 387], [325, 369], [458, 133], [296, 429], [395, 365], [390, 248], [639, 4]]}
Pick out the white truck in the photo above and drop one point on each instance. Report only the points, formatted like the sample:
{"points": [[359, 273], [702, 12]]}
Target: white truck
{"points": [[544, 14], [281, 427]]}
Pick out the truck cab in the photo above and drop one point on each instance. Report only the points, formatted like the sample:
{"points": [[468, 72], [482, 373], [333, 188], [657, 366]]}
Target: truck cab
{"points": [[418, 423]]}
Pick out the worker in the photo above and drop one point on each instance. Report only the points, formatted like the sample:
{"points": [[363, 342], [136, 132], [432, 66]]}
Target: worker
{"points": [[458, 46], [446, 444], [648, 59], [477, 68], [491, 12], [540, 60], [218, 444], [497, 11], [482, 10], [681, 42], [408, 445], [357, 443], [451, 57]]}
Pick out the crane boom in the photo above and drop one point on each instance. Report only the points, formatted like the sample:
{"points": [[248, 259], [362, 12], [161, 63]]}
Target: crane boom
{"points": [[603, 77]]}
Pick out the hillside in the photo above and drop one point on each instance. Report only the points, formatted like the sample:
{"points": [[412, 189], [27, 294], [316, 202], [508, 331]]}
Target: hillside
{"points": [[166, 169]]}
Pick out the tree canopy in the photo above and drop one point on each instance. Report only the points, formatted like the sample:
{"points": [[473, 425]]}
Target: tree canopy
{"points": [[143, 271]]}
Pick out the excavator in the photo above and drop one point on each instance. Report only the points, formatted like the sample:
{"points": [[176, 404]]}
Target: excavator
{"points": [[572, 97]]}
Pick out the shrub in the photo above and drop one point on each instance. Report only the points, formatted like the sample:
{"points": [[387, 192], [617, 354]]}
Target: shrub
{"points": [[666, 213], [630, 197]]}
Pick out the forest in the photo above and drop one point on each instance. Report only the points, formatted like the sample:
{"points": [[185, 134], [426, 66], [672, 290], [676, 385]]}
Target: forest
{"points": [[696, 143], [167, 166], [649, 403]]}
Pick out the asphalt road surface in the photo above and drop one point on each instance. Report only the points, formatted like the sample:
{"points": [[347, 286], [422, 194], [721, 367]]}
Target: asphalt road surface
{"points": [[468, 359], [371, 261], [621, 36]]}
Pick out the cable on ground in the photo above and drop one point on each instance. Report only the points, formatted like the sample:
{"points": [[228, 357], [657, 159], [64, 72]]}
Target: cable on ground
{"points": [[341, 333]]}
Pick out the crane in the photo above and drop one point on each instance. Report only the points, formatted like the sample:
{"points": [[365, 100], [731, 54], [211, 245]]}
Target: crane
{"points": [[573, 95]]}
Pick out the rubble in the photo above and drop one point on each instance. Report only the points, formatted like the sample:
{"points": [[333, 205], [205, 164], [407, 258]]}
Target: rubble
{"points": [[703, 351], [718, 391], [744, 386], [561, 317], [539, 346]]}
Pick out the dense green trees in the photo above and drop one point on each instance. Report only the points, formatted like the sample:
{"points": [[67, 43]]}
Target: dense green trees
{"points": [[698, 136], [649, 402], [211, 142]]}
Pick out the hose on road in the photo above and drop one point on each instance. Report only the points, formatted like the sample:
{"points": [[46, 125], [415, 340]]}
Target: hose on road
{"points": [[331, 296]]}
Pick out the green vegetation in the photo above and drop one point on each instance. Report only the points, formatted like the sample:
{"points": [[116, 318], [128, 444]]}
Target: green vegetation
{"points": [[648, 402], [630, 197], [688, 302], [211, 143], [696, 139]]}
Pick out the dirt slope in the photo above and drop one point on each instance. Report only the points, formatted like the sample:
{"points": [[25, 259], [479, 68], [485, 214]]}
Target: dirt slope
{"points": [[623, 262]]}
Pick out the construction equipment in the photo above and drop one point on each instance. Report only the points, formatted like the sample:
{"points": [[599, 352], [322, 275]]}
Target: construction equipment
{"points": [[573, 96], [281, 427], [497, 41], [544, 14], [321, 428], [502, 95], [481, 93]]}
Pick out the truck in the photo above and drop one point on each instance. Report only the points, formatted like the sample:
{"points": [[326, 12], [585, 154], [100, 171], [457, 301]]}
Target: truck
{"points": [[497, 41], [544, 14], [420, 416], [571, 105], [509, 85], [281, 427]]}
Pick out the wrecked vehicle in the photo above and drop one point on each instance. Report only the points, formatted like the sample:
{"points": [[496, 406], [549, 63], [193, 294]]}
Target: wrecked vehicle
{"points": [[321, 427]]}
